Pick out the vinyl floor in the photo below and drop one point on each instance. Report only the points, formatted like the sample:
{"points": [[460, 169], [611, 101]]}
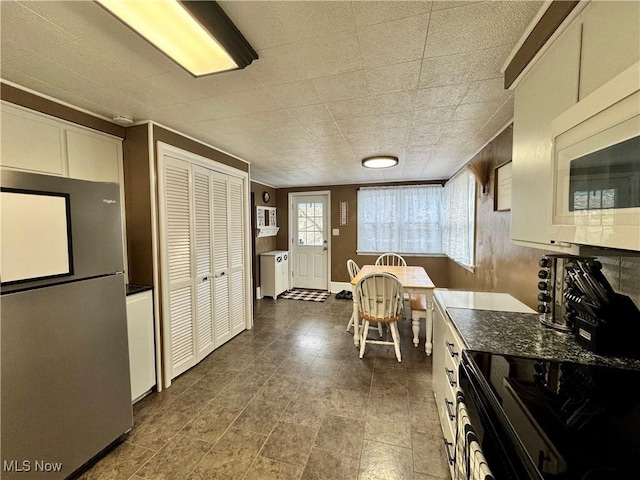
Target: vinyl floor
{"points": [[287, 400]]}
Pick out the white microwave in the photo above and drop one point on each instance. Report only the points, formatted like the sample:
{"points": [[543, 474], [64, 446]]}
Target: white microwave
{"points": [[596, 167]]}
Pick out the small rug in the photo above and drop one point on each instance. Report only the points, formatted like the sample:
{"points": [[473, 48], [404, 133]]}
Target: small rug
{"points": [[310, 295]]}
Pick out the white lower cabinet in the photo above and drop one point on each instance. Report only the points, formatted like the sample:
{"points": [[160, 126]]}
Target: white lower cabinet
{"points": [[274, 273], [142, 363], [447, 350]]}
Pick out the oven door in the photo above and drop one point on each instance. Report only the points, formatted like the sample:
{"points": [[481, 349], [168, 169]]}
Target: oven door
{"points": [[505, 454]]}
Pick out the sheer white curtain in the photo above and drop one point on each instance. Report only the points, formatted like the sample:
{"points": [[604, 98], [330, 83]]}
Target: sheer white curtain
{"points": [[459, 211], [404, 219]]}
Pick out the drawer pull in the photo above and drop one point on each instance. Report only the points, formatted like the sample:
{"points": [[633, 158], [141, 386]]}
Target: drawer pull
{"points": [[450, 458], [450, 349], [447, 405], [449, 373]]}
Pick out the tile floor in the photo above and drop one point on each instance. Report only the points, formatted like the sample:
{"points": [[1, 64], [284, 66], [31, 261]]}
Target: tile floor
{"points": [[289, 399]]}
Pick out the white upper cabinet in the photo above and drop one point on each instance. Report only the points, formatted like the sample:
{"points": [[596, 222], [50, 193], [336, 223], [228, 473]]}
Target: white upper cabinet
{"points": [[597, 46], [93, 156], [32, 143], [610, 42], [38, 143], [549, 88]]}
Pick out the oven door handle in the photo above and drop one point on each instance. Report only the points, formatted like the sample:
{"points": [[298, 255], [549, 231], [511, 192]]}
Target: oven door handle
{"points": [[447, 405], [447, 446], [449, 373]]}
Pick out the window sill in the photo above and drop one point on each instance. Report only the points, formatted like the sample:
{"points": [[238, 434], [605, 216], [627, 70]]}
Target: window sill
{"points": [[377, 254]]}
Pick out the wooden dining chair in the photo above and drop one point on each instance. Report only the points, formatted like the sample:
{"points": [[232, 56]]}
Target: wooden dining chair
{"points": [[379, 299], [391, 259], [353, 269]]}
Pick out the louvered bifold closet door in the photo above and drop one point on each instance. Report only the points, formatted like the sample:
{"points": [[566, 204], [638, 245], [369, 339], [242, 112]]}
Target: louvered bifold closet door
{"points": [[236, 254], [178, 287], [222, 323], [203, 261]]}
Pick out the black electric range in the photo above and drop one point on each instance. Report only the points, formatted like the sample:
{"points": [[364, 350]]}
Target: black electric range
{"points": [[552, 420]]}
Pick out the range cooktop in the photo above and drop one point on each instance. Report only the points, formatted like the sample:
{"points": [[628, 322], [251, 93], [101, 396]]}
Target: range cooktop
{"points": [[577, 422]]}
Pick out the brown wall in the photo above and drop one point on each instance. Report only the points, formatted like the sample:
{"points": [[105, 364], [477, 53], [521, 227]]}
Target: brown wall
{"points": [[262, 244], [137, 193], [343, 246], [44, 105], [500, 265]]}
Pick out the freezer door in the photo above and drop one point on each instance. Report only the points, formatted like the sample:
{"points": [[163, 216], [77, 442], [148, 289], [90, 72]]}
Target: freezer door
{"points": [[64, 377], [92, 218]]}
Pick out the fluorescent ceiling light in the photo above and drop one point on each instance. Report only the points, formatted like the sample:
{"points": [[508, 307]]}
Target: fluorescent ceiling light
{"points": [[185, 32], [380, 162]]}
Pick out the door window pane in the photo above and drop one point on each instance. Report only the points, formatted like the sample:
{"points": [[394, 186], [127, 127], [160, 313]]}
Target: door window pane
{"points": [[310, 223]]}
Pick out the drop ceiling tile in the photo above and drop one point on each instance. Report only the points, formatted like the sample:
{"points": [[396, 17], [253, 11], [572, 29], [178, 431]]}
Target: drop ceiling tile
{"points": [[432, 115], [314, 19], [279, 64], [310, 113], [30, 30], [331, 54], [115, 102], [352, 108], [355, 125], [424, 137], [393, 42], [341, 87], [478, 26], [221, 83], [486, 90], [475, 111], [12, 51], [295, 94], [148, 93], [393, 78], [167, 82], [444, 4], [466, 127], [258, 21], [463, 67], [332, 141], [322, 129], [372, 13], [400, 102], [440, 96], [289, 132]]}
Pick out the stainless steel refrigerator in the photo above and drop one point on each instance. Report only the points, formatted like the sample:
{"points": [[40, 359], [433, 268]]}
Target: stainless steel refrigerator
{"points": [[65, 388]]}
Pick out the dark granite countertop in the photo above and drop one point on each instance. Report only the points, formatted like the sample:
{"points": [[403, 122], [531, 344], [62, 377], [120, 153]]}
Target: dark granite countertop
{"points": [[133, 289], [522, 334]]}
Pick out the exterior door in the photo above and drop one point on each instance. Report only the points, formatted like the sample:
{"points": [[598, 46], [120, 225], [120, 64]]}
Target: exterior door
{"points": [[310, 240]]}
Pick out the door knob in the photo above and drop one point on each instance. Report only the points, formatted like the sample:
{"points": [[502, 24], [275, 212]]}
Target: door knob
{"points": [[325, 248]]}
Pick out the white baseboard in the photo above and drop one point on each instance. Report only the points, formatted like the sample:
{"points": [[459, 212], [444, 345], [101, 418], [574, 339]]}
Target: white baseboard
{"points": [[339, 286], [258, 293]]}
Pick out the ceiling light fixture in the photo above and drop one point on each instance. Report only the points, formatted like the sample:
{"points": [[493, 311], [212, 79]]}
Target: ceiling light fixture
{"points": [[380, 161], [197, 35]]}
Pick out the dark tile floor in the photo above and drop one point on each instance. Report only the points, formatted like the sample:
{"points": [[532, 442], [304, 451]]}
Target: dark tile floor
{"points": [[290, 399]]}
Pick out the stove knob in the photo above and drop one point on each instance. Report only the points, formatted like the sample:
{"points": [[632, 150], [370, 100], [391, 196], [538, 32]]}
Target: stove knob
{"points": [[544, 262], [544, 297], [543, 274], [542, 308], [543, 286]]}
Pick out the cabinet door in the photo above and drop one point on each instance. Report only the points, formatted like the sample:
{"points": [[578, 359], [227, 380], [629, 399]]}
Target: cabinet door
{"points": [[178, 287], [222, 328], [93, 157], [610, 42], [237, 302], [203, 264], [142, 363], [548, 90], [31, 143]]}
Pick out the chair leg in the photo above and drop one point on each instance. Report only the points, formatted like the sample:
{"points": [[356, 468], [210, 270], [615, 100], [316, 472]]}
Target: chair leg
{"points": [[380, 329], [350, 324], [396, 339], [363, 340]]}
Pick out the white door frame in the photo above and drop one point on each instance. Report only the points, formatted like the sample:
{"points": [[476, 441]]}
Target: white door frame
{"points": [[292, 259]]}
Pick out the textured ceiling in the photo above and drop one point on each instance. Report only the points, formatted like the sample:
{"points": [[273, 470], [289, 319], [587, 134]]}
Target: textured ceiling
{"points": [[335, 82]]}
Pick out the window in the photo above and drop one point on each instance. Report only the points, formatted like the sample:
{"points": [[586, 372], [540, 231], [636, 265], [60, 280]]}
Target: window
{"points": [[421, 219], [459, 207], [310, 230], [402, 219]]}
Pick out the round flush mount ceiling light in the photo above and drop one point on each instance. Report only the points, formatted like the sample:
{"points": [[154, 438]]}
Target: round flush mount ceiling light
{"points": [[380, 161]]}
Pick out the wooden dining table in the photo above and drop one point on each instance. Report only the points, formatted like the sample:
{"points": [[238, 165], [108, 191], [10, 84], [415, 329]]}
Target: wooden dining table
{"points": [[414, 280]]}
